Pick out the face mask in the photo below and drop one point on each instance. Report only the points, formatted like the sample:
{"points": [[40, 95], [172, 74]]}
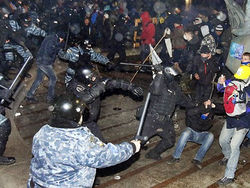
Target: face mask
{"points": [[204, 59], [203, 116], [245, 63]]}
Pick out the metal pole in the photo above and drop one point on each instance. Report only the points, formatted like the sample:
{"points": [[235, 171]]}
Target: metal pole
{"points": [[212, 91], [16, 78], [135, 64], [67, 38], [19, 73], [147, 58], [138, 134]]}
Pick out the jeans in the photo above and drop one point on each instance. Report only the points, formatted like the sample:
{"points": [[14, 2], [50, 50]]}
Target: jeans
{"points": [[189, 135], [230, 141], [43, 70], [248, 134]]}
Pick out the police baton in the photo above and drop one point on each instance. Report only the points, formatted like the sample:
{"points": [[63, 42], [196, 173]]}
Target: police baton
{"points": [[212, 91], [67, 38], [135, 64], [10, 89], [138, 134]]}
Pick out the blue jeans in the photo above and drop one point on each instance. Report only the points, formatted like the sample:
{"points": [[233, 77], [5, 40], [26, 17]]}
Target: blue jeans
{"points": [[248, 134], [230, 141], [43, 70], [189, 135]]}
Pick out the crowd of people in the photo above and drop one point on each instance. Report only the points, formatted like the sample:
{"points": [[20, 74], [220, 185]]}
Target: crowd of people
{"points": [[41, 31]]}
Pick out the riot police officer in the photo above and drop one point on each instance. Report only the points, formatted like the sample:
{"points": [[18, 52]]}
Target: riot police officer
{"points": [[117, 43], [78, 55], [5, 129], [87, 86], [66, 145], [165, 95]]}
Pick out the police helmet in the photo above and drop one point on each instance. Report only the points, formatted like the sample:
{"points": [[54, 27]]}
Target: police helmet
{"points": [[170, 72], [86, 44], [85, 74], [68, 107]]}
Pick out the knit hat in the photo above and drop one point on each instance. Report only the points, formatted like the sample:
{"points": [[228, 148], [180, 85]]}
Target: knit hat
{"points": [[219, 28], [204, 50]]}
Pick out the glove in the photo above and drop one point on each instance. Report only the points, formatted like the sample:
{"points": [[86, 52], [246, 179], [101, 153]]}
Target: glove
{"points": [[167, 31], [158, 68], [137, 144], [218, 51], [137, 91], [110, 66], [105, 81], [222, 80]]}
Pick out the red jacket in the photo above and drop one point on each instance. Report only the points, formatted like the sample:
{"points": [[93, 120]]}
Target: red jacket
{"points": [[148, 29]]}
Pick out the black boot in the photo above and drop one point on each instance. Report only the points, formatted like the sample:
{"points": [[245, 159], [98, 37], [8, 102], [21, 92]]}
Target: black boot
{"points": [[7, 160], [153, 155], [246, 143]]}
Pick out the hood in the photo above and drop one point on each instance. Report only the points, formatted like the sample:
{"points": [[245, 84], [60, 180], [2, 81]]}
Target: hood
{"points": [[145, 17]]}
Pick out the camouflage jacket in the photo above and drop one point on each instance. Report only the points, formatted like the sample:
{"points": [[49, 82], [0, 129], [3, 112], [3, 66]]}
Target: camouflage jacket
{"points": [[69, 157], [34, 30], [73, 54]]}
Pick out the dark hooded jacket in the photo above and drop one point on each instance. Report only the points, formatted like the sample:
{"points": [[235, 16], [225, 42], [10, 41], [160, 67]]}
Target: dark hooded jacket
{"points": [[205, 69], [49, 49], [194, 120]]}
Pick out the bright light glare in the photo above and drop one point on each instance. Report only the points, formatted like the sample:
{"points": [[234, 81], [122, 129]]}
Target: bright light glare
{"points": [[67, 106], [188, 4]]}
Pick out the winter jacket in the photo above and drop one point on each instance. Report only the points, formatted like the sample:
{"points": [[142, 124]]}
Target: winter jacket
{"points": [[194, 120], [176, 36], [209, 41], [68, 157], [242, 121], [165, 95], [48, 51], [205, 70], [148, 29]]}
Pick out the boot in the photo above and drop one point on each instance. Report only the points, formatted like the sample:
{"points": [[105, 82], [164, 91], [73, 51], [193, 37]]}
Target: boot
{"points": [[153, 155], [7, 160], [32, 99], [246, 143]]}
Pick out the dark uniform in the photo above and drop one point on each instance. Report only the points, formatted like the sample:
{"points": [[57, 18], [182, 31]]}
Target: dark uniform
{"points": [[118, 40], [165, 95], [5, 129], [89, 91]]}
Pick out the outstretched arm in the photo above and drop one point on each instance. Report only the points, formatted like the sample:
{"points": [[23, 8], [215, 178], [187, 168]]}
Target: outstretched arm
{"points": [[125, 86], [88, 95]]}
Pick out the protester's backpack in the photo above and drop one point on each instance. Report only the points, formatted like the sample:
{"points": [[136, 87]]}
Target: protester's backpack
{"points": [[235, 105]]}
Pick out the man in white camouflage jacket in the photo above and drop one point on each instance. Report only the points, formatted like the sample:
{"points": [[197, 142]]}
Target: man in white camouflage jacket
{"points": [[67, 154]]}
